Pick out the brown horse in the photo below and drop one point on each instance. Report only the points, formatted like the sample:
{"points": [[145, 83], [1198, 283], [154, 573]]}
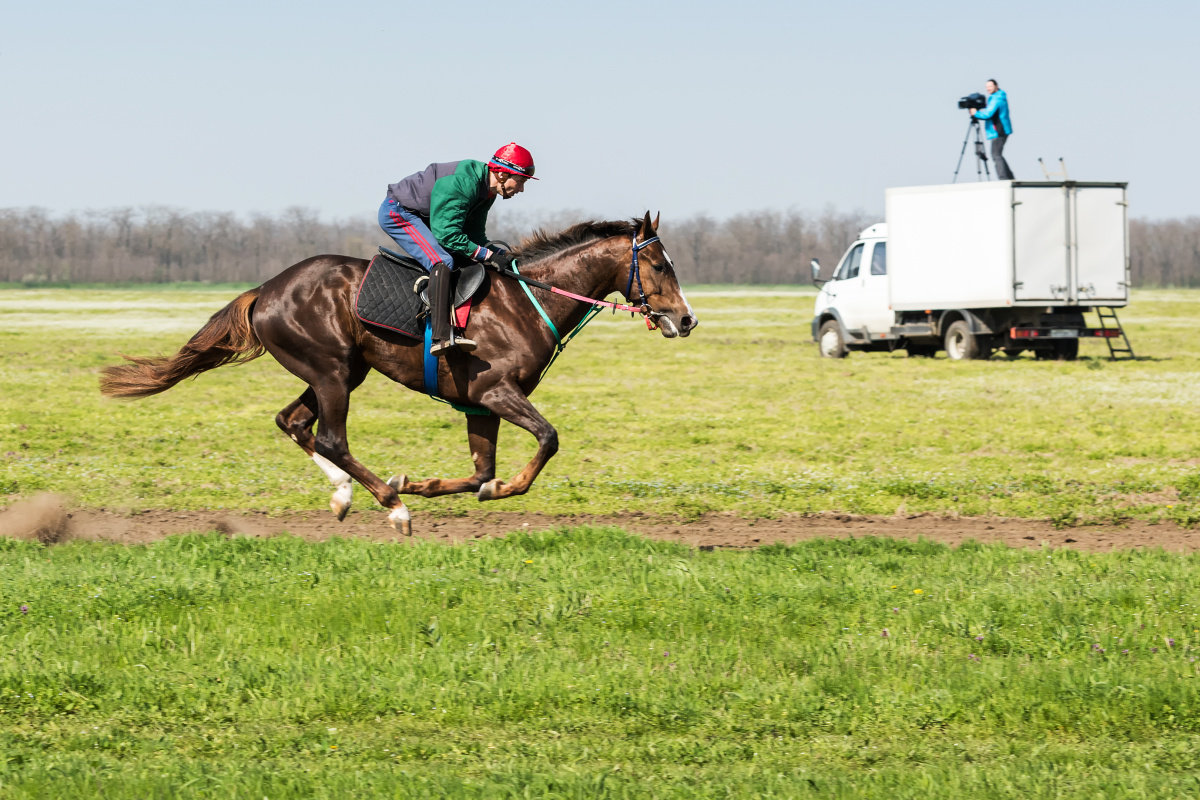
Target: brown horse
{"points": [[305, 318]]}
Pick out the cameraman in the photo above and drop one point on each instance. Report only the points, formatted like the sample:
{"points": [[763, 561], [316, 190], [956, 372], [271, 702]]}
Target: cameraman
{"points": [[998, 126]]}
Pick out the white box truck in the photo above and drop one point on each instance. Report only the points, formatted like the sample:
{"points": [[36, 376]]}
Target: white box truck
{"points": [[973, 268]]}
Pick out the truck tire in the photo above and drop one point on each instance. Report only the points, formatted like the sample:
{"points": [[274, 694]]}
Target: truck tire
{"points": [[1061, 350], [830, 341], [961, 344], [1066, 349]]}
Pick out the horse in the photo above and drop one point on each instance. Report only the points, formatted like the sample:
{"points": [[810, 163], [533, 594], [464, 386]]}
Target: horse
{"points": [[304, 317]]}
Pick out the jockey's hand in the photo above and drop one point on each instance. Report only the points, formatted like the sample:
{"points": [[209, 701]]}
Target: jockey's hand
{"points": [[501, 259]]}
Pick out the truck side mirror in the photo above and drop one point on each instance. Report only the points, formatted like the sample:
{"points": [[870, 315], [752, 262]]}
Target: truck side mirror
{"points": [[816, 273]]}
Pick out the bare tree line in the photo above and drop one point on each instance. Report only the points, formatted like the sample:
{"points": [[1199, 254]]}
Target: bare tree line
{"points": [[1165, 253], [165, 245]]}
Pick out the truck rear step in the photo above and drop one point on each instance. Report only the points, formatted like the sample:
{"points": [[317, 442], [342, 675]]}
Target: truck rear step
{"points": [[1116, 353]]}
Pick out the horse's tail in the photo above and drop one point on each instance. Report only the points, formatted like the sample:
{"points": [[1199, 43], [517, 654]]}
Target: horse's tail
{"points": [[228, 338]]}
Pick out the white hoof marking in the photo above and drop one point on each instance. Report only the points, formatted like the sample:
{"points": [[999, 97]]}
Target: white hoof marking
{"points": [[401, 520], [340, 500]]}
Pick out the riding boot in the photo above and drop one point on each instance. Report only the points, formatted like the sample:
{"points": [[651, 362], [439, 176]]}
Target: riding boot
{"points": [[443, 333], [439, 309]]}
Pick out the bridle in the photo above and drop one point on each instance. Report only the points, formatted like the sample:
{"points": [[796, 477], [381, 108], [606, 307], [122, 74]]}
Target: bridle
{"points": [[560, 341], [635, 275]]}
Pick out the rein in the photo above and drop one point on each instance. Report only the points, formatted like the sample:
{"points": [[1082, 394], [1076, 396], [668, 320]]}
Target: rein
{"points": [[560, 341], [635, 272]]}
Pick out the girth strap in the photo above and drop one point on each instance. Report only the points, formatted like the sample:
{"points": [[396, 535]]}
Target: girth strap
{"points": [[430, 375]]}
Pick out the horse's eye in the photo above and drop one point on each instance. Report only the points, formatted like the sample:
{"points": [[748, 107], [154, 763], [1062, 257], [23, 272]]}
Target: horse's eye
{"points": [[657, 267]]}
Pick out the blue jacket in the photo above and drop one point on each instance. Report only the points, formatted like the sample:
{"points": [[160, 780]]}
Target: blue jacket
{"points": [[995, 110]]}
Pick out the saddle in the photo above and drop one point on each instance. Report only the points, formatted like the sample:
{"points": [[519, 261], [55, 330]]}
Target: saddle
{"points": [[393, 293]]}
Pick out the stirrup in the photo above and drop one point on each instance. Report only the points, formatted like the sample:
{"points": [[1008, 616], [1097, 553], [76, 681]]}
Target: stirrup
{"points": [[444, 346], [462, 343]]}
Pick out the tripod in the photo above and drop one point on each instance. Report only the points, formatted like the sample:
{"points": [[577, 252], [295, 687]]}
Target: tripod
{"points": [[981, 159]]}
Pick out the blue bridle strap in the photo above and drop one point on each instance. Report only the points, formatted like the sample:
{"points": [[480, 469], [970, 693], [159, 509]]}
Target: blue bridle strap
{"points": [[636, 272]]}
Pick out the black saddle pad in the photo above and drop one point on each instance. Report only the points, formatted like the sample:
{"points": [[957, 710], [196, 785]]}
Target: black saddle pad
{"points": [[387, 298]]}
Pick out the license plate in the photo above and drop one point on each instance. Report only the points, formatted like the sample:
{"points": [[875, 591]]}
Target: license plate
{"points": [[1060, 333]]}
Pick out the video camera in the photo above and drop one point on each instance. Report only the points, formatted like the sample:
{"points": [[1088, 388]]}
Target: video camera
{"points": [[973, 100]]}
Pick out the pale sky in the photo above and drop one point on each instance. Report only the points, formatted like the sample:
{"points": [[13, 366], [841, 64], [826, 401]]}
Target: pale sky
{"points": [[684, 107]]}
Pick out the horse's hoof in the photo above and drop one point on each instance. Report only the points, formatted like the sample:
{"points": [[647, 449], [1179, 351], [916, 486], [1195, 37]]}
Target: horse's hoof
{"points": [[340, 511], [490, 490], [399, 483], [401, 520], [339, 501]]}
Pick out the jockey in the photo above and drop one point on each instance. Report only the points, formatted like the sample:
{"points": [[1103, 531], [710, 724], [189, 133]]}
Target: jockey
{"points": [[439, 215]]}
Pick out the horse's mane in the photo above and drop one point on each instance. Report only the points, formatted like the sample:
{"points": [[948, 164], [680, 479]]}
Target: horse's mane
{"points": [[542, 244]]}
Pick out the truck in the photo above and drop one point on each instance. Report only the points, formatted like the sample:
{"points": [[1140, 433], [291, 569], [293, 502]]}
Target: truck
{"points": [[976, 268]]}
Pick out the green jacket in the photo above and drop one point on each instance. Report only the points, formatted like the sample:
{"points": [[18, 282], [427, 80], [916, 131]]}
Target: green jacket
{"points": [[459, 207], [454, 197]]}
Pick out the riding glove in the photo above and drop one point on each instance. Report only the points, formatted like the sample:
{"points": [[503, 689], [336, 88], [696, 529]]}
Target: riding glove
{"points": [[500, 259]]}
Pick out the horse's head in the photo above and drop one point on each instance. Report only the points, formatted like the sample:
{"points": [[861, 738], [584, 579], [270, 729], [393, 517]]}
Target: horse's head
{"points": [[651, 283]]}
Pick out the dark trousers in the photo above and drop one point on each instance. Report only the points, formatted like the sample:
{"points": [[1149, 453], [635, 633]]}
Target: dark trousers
{"points": [[1002, 171], [412, 234]]}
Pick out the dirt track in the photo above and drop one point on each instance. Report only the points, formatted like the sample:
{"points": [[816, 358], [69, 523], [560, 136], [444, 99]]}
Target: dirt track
{"points": [[49, 519]]}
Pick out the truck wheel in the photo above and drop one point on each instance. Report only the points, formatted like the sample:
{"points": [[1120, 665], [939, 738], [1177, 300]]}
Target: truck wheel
{"points": [[830, 341], [1066, 349], [961, 344]]}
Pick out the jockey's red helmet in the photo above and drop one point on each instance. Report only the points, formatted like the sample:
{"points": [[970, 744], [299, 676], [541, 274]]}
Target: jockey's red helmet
{"points": [[513, 159]]}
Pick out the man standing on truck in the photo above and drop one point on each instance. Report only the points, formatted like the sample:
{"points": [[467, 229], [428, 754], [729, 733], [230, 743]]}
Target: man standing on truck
{"points": [[998, 125]]}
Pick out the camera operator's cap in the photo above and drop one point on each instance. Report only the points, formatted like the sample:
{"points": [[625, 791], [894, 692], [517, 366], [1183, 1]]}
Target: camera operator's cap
{"points": [[513, 159]]}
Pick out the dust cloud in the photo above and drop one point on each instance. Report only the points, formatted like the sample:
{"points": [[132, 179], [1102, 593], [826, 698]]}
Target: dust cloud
{"points": [[43, 518]]}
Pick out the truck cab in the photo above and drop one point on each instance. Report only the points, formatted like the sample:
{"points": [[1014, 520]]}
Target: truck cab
{"points": [[852, 306]]}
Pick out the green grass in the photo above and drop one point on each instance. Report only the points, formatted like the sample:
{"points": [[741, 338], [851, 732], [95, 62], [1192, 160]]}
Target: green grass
{"points": [[587, 663], [741, 416]]}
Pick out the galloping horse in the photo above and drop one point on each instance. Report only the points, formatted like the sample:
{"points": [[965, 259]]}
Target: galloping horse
{"points": [[305, 318]]}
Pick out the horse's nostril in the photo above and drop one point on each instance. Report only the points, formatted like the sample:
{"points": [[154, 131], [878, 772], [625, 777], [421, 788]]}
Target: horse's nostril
{"points": [[687, 322]]}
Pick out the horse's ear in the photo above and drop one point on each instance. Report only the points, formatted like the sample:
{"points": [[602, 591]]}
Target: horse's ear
{"points": [[647, 228], [657, 214]]}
